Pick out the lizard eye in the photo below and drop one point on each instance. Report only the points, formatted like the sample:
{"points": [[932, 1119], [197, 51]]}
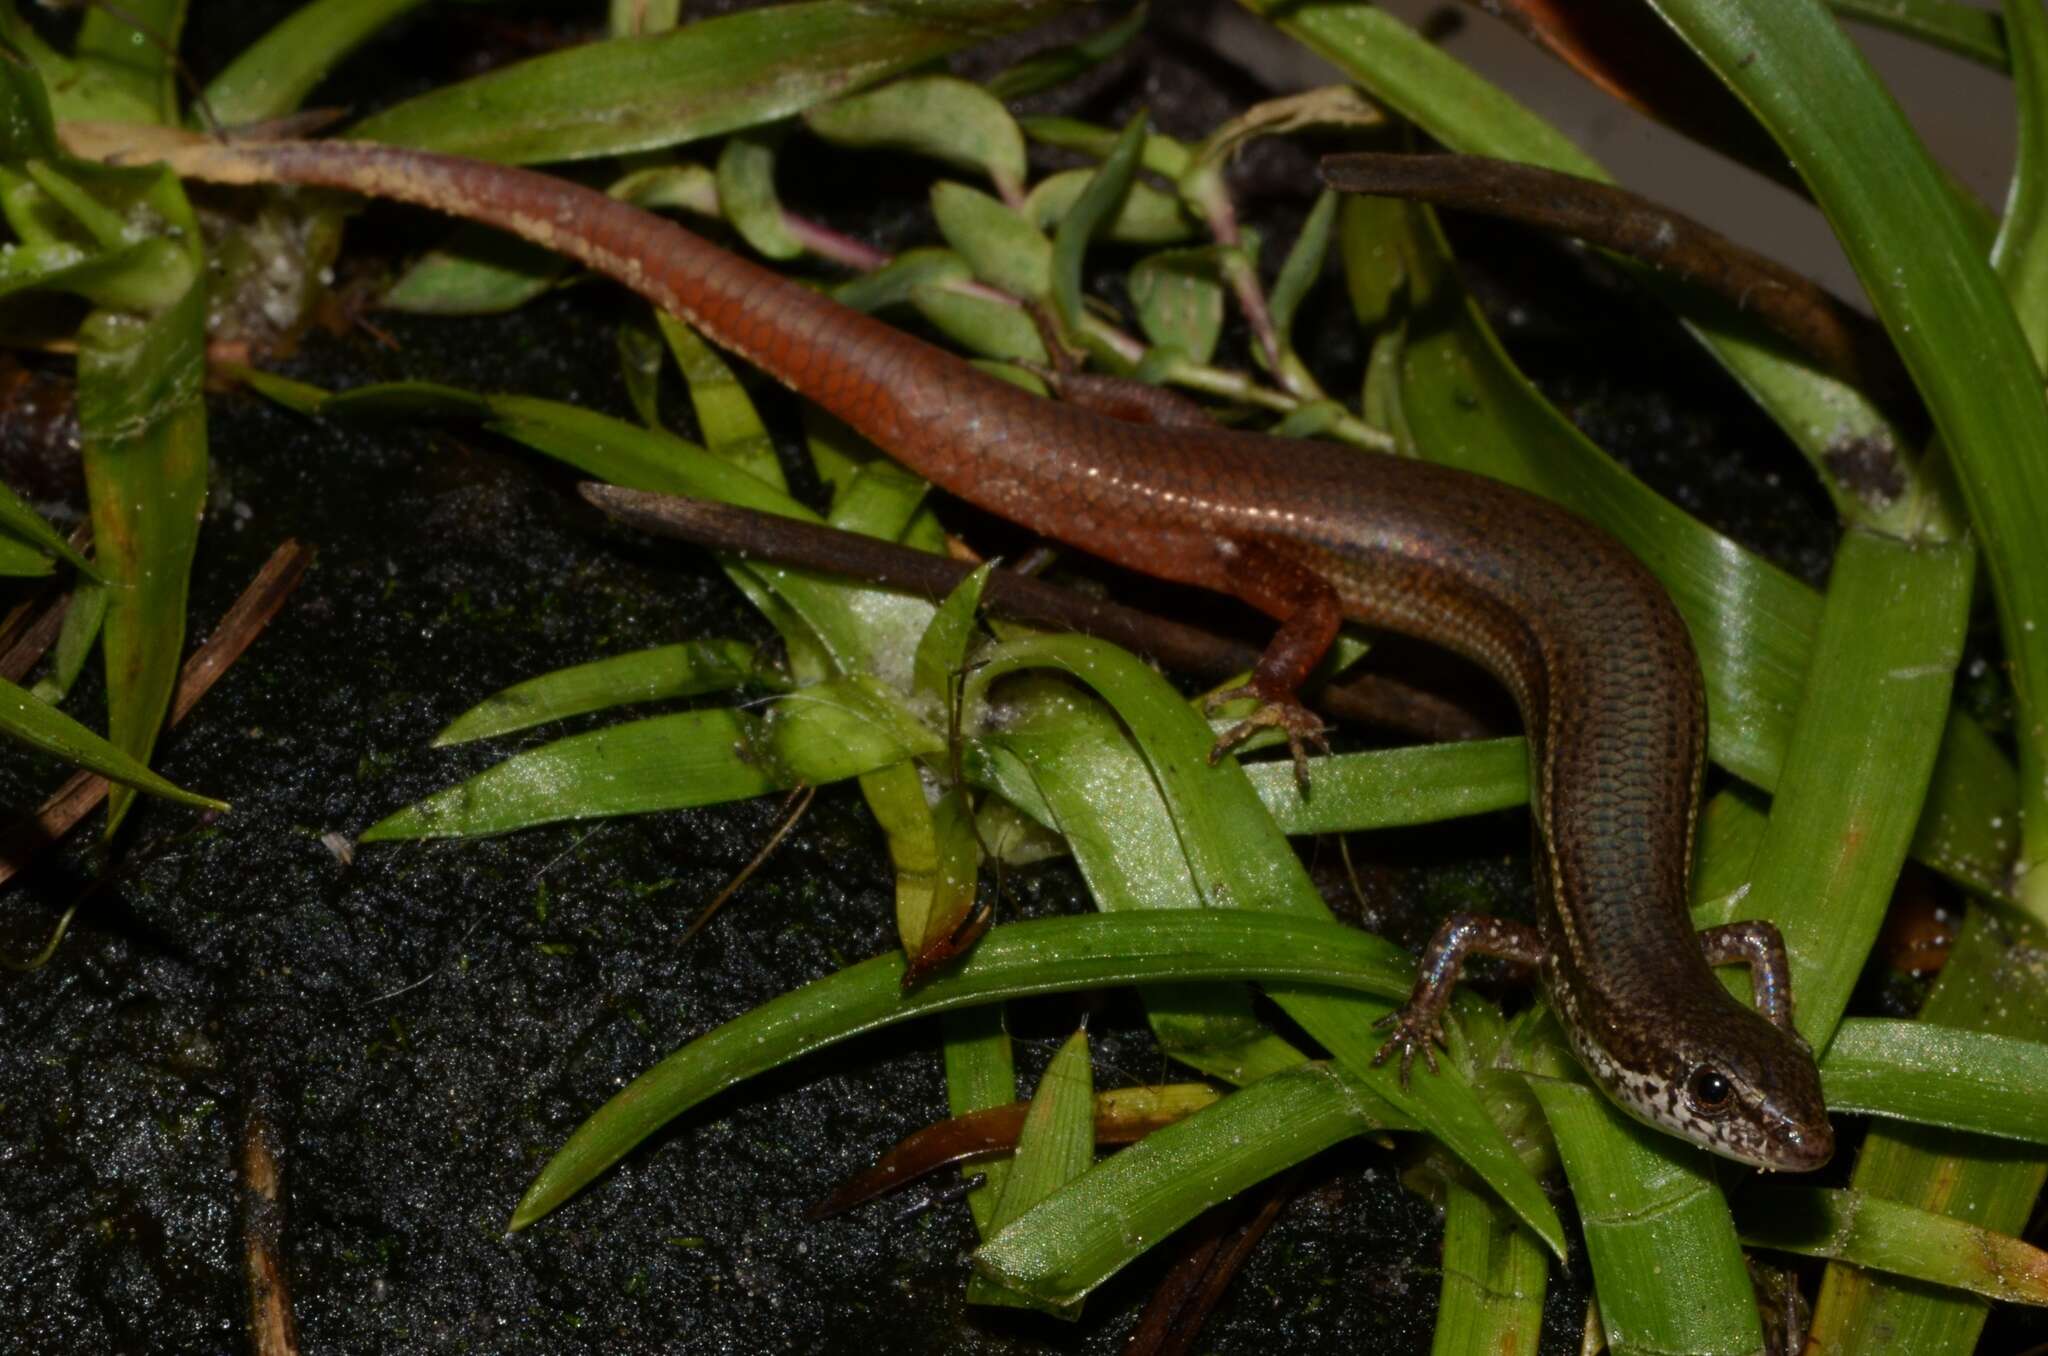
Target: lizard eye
{"points": [[1709, 1091]]}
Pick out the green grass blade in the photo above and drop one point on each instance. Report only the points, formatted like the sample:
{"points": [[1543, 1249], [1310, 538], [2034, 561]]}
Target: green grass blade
{"points": [[1863, 745], [1990, 983], [1055, 1145], [41, 726], [24, 522], [1057, 955], [133, 47], [2020, 254], [1944, 23], [981, 1072], [1667, 1265], [1823, 417], [818, 734], [1097, 791], [1079, 1238], [660, 674], [1238, 860], [274, 74], [142, 429], [716, 75], [1395, 788], [1882, 1235], [1915, 252], [1938, 1075], [1495, 1274]]}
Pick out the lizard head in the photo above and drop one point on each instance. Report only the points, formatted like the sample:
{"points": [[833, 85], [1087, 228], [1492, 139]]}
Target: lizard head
{"points": [[1725, 1079]]}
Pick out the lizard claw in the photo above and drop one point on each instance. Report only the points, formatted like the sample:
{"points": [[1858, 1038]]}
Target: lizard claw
{"points": [[1297, 722], [1413, 1031]]}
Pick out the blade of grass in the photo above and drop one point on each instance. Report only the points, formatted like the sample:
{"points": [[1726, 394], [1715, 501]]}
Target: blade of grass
{"points": [[1495, 1274], [669, 671], [1990, 983], [1079, 1238], [1917, 258], [716, 75], [1940, 1076], [273, 75], [818, 734], [1055, 1146], [1974, 33], [133, 47], [142, 430], [1667, 1265], [1096, 791], [1057, 955], [41, 726], [1239, 860], [251, 613], [1863, 745], [1882, 1235]]}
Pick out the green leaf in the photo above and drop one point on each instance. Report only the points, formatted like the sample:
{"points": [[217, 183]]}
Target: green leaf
{"points": [[74, 641], [41, 726], [1959, 28], [1667, 1266], [1870, 1231], [142, 429], [1043, 70], [994, 329], [1145, 216], [132, 48], [939, 116], [476, 272], [1991, 983], [1179, 300], [716, 75], [1918, 259], [1304, 263], [1937, 1075], [274, 74], [670, 671], [980, 1073], [1070, 762], [1863, 745], [1494, 1278], [1097, 203], [1082, 1236], [1055, 1145], [746, 194], [1053, 955], [2020, 254], [1002, 247], [818, 734]]}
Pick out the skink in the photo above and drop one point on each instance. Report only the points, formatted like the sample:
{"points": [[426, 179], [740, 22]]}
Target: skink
{"points": [[1580, 633]]}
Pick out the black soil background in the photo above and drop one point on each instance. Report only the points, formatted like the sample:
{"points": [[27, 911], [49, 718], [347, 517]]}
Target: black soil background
{"points": [[423, 1026]]}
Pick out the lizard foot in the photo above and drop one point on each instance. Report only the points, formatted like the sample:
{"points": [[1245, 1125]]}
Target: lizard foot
{"points": [[1297, 722], [1413, 1030]]}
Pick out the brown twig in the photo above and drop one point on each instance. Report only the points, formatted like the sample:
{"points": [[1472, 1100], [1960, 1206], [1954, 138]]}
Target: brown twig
{"points": [[977, 1134], [1369, 698], [1838, 336], [76, 798], [1218, 1243], [273, 1326], [798, 801]]}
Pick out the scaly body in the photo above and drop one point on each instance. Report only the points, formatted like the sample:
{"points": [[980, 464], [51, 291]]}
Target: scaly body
{"points": [[1595, 655]]}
